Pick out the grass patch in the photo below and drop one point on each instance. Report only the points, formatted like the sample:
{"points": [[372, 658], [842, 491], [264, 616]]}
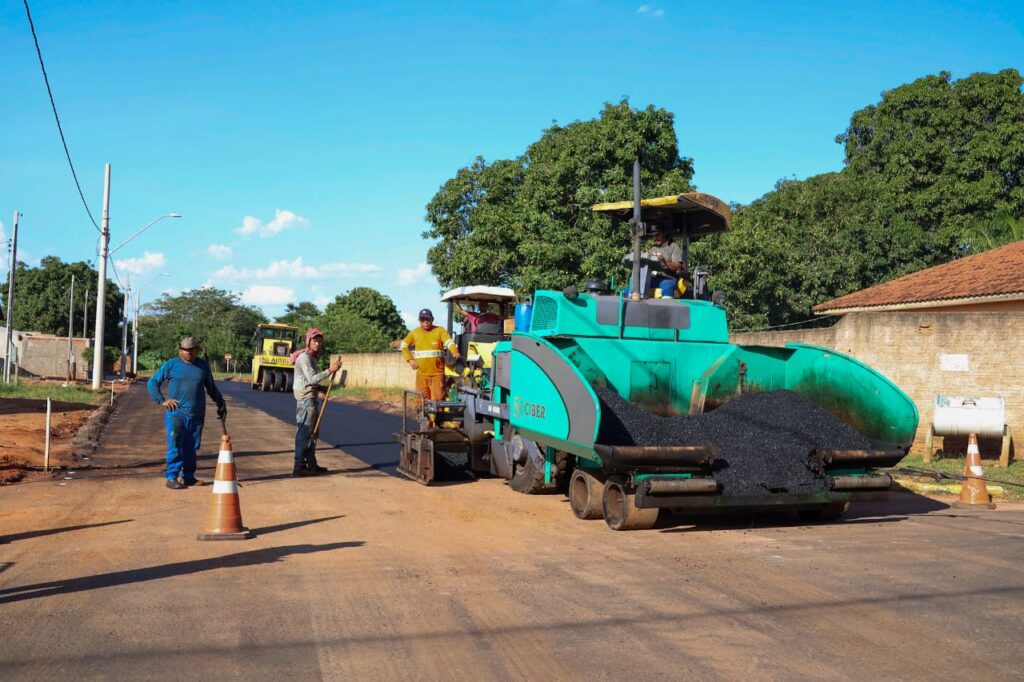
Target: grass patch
{"points": [[955, 465], [41, 391], [387, 395]]}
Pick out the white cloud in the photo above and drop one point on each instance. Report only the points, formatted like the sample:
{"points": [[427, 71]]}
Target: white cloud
{"points": [[283, 220], [263, 294], [296, 269], [409, 318], [320, 298], [420, 273], [137, 266], [219, 251], [650, 10]]}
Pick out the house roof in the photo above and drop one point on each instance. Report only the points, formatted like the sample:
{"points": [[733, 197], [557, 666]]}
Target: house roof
{"points": [[997, 274]]}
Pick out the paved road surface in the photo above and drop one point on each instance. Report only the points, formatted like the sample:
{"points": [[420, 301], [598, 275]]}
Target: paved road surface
{"points": [[364, 575]]}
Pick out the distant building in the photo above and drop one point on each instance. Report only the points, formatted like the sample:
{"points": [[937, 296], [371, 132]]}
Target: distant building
{"points": [[953, 329]]}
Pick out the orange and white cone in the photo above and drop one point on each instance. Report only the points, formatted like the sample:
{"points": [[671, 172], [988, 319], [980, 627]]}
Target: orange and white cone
{"points": [[974, 492], [224, 520]]}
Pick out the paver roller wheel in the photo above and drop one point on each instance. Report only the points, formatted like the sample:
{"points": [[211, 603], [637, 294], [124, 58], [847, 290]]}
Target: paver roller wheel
{"points": [[585, 495], [265, 379], [280, 380], [620, 510], [826, 513]]}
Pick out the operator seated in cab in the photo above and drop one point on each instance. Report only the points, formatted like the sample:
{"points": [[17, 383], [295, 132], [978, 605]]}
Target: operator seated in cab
{"points": [[669, 275]]}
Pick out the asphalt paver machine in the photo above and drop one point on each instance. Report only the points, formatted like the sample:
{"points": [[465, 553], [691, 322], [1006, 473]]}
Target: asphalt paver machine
{"points": [[578, 403]]}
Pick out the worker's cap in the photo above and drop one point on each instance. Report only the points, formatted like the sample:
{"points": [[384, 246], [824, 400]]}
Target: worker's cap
{"points": [[188, 343], [425, 314]]}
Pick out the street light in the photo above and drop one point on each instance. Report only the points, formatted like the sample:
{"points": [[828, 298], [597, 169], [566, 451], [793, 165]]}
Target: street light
{"points": [[101, 288], [135, 322]]}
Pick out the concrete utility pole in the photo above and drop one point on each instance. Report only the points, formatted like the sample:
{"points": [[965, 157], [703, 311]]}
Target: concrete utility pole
{"points": [[85, 314], [71, 328], [101, 285], [124, 326], [9, 344]]}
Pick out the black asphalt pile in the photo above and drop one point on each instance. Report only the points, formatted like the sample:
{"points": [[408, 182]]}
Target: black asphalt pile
{"points": [[763, 439]]}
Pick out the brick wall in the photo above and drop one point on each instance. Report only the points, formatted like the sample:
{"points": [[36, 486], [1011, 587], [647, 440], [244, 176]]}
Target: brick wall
{"points": [[45, 355], [908, 348]]}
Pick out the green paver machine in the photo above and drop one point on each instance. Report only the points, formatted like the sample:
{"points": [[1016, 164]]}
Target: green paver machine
{"points": [[542, 417]]}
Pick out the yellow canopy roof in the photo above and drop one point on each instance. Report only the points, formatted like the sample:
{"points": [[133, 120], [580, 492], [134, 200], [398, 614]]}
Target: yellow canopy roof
{"points": [[700, 213]]}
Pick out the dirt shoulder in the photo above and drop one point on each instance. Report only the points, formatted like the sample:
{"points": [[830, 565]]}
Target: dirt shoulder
{"points": [[23, 426]]}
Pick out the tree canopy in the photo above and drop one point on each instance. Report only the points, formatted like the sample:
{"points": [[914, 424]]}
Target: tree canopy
{"points": [[41, 299], [932, 172], [361, 321], [216, 318], [527, 223]]}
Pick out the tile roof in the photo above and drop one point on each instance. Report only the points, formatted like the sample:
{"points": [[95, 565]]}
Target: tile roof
{"points": [[990, 273]]}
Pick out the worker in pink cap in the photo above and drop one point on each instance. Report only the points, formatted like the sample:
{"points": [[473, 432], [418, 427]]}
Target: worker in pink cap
{"points": [[305, 388]]}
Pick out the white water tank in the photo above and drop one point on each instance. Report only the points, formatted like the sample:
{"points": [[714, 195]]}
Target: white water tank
{"points": [[963, 415]]}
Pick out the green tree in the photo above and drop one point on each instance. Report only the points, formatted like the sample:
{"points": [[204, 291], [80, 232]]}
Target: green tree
{"points": [[41, 298], [932, 171], [362, 320], [991, 233], [216, 318], [302, 315], [374, 307], [527, 222]]}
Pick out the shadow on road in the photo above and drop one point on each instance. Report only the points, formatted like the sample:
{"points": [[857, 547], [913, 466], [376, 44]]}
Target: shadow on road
{"points": [[138, 575], [53, 531], [294, 524], [898, 508]]}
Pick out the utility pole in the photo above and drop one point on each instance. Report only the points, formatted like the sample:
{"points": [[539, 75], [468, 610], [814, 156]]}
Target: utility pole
{"points": [[9, 345], [101, 285], [135, 334], [71, 328], [85, 314], [124, 326]]}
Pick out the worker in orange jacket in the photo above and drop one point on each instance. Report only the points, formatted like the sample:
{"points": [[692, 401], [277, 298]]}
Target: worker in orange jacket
{"points": [[427, 356]]}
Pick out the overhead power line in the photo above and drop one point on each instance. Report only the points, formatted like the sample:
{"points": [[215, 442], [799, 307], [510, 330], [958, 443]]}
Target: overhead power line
{"points": [[53, 105]]}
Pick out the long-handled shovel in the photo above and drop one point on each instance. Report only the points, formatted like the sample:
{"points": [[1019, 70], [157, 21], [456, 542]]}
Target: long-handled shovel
{"points": [[314, 435]]}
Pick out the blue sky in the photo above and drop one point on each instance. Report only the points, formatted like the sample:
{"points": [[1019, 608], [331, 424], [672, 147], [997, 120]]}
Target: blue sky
{"points": [[302, 141]]}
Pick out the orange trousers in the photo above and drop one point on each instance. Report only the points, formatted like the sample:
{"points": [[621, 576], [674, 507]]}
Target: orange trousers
{"points": [[431, 386]]}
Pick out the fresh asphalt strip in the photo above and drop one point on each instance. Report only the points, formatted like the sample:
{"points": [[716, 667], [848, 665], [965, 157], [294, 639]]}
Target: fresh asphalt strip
{"points": [[364, 434]]}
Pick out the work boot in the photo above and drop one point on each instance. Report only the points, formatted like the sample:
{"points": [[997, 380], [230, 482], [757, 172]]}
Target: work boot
{"points": [[175, 484], [303, 471], [316, 468], [194, 481]]}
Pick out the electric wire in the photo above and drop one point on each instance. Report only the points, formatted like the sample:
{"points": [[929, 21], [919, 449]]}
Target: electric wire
{"points": [[53, 105], [780, 326]]}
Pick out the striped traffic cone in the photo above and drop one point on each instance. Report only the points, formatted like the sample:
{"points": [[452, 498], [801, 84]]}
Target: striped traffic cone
{"points": [[973, 491], [224, 520]]}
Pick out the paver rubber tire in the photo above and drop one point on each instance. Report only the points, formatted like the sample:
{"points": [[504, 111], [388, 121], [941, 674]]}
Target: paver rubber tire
{"points": [[585, 495], [620, 510], [265, 377], [527, 478], [289, 381], [832, 511], [280, 380]]}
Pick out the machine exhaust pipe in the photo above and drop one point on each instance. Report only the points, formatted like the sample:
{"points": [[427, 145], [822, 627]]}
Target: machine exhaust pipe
{"points": [[682, 458], [680, 486], [858, 458], [870, 482]]}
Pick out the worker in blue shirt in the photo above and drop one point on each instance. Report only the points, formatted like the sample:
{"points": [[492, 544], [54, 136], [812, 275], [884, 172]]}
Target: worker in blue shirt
{"points": [[188, 381]]}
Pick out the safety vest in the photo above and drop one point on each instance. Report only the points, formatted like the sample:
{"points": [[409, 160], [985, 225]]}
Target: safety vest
{"points": [[428, 349]]}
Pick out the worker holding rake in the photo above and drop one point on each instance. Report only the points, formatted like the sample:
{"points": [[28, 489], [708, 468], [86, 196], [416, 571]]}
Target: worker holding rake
{"points": [[305, 388]]}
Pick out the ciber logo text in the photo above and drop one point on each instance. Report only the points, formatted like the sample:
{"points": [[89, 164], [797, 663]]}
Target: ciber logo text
{"points": [[535, 410]]}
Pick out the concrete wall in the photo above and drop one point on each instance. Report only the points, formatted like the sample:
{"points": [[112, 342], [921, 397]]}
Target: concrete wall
{"points": [[44, 355], [377, 370], [929, 353]]}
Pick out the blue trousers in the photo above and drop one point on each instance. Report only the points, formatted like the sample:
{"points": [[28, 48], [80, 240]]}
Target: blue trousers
{"points": [[184, 435], [305, 419]]}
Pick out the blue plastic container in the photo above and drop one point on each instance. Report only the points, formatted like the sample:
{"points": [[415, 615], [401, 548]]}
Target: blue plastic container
{"points": [[523, 313]]}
